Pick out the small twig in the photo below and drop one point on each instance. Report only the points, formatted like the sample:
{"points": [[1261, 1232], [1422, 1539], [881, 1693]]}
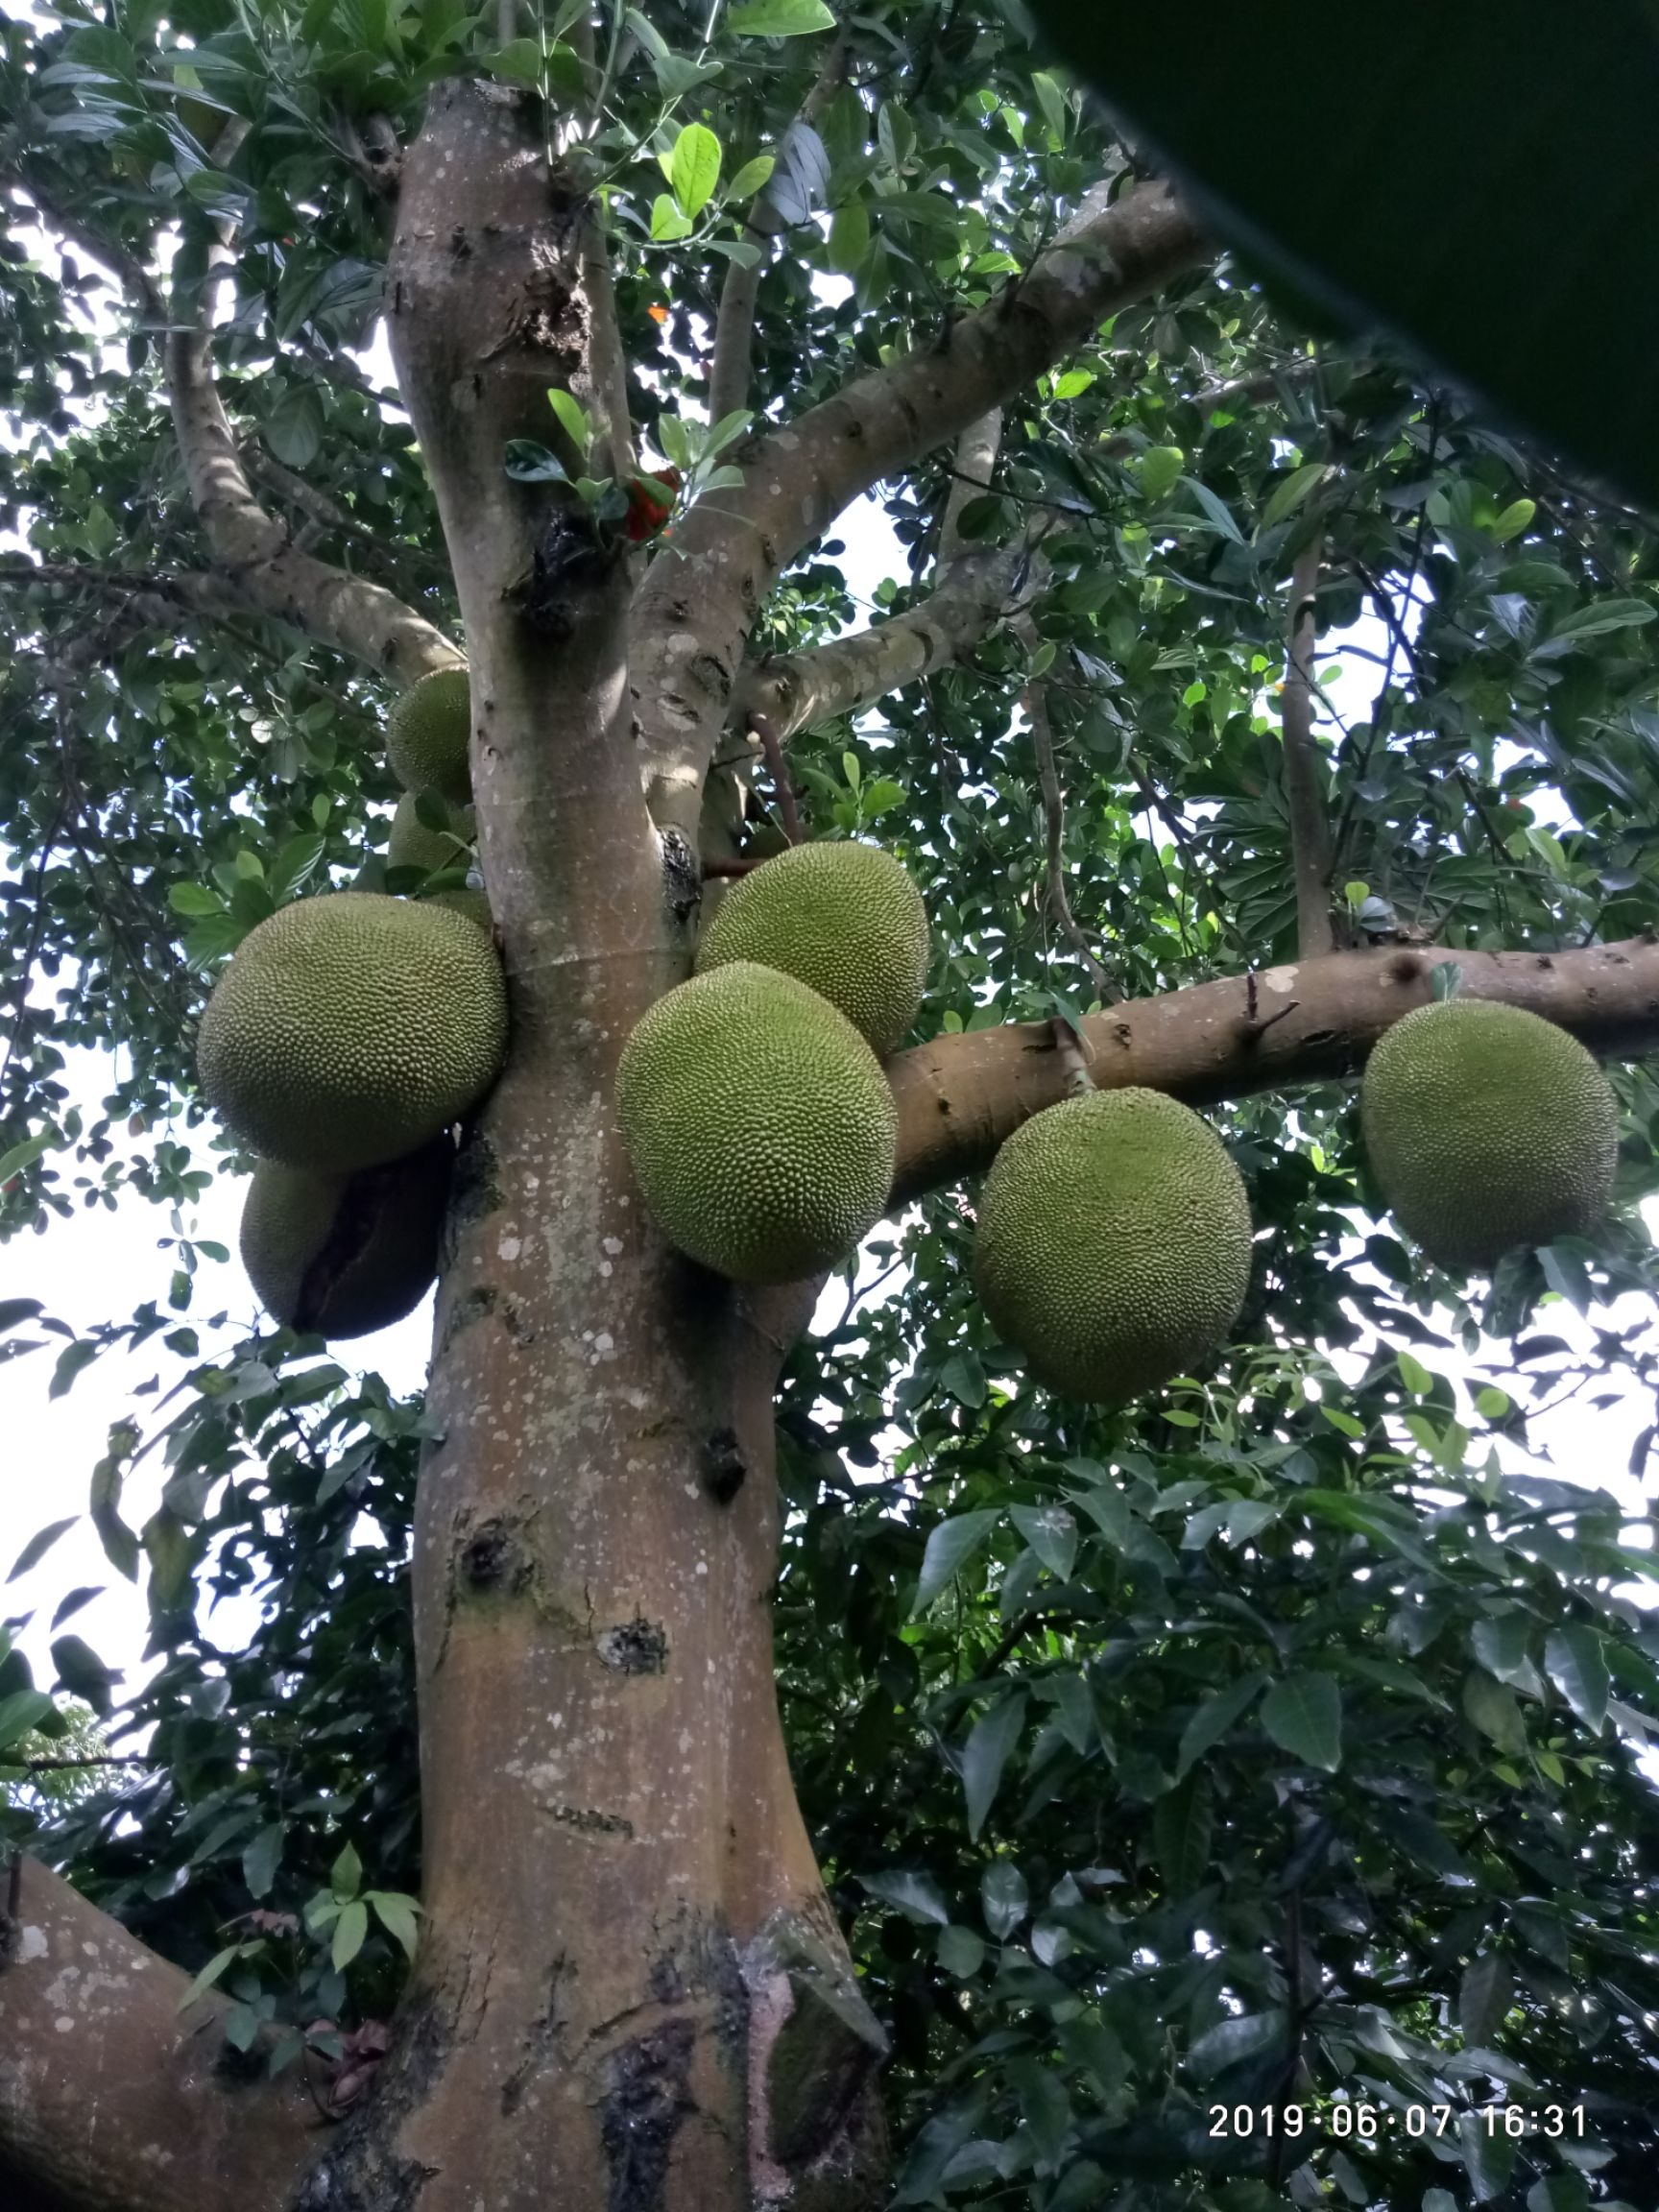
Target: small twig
{"points": [[729, 867], [1054, 819], [1310, 852], [762, 728]]}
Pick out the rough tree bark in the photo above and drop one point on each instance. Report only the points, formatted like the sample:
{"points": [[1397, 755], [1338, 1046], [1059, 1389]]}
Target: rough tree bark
{"points": [[630, 1991]]}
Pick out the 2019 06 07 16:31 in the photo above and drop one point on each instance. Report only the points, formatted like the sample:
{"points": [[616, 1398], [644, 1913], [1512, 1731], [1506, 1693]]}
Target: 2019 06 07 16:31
{"points": [[1346, 2121]]}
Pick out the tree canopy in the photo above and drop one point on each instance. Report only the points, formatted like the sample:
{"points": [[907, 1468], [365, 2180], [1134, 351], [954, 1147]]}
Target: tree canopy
{"points": [[1269, 1746]]}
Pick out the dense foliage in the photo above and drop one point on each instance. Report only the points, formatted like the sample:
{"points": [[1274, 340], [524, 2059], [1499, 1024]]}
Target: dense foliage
{"points": [[1274, 1743]]}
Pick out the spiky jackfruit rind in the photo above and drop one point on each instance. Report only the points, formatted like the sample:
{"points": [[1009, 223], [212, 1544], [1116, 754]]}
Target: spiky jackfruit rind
{"points": [[352, 1029], [410, 844], [1113, 1244], [844, 920], [1486, 1128], [427, 731], [343, 1255], [759, 1123]]}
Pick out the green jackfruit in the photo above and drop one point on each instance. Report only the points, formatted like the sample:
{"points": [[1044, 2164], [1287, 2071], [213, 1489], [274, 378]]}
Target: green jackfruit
{"points": [[1114, 1242], [759, 1125], [844, 920], [345, 1254], [1487, 1127], [412, 845], [427, 733], [352, 1029]]}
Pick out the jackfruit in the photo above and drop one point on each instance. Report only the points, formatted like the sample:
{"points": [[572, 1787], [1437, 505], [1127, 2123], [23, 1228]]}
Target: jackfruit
{"points": [[352, 1029], [1487, 1127], [412, 845], [345, 1254], [843, 919], [759, 1125], [427, 733], [1112, 1244]]}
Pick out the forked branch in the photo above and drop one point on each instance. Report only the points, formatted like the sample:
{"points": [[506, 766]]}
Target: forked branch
{"points": [[802, 690], [800, 475]]}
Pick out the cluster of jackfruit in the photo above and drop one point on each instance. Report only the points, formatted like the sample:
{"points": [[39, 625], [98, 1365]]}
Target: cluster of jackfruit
{"points": [[1487, 1128], [347, 1035], [752, 1099]]}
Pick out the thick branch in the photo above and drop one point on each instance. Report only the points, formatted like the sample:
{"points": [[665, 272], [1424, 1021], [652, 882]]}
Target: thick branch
{"points": [[971, 475], [1304, 765], [730, 367], [801, 691], [798, 476], [111, 2100], [256, 553], [1309, 1022]]}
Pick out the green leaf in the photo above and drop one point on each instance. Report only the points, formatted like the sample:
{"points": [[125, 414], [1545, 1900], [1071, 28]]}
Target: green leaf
{"points": [[1230, 2042], [346, 1875], [849, 236], [1495, 1713], [1052, 1533], [399, 1916], [1556, 2193], [1214, 1718], [1004, 1897], [986, 1753], [1160, 470], [1183, 1825], [1293, 492], [572, 420], [194, 899], [1516, 518], [1575, 1662], [916, 1896], [1303, 1716], [1051, 100], [170, 1553], [694, 168], [20, 1710], [1501, 1646], [1483, 1997], [779, 18], [24, 1155], [752, 178], [1531, 134], [39, 1545], [261, 1859], [951, 1545], [350, 1931], [294, 430], [960, 1951], [517, 62], [1413, 1375], [209, 1974], [666, 221]]}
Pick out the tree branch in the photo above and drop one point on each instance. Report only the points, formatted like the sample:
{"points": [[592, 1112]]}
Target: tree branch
{"points": [[731, 364], [111, 2099], [800, 475], [1309, 1022], [801, 691], [296, 492], [1310, 852], [971, 474], [258, 556]]}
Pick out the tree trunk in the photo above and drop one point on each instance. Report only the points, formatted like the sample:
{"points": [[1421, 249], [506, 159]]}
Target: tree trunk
{"points": [[631, 1993]]}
